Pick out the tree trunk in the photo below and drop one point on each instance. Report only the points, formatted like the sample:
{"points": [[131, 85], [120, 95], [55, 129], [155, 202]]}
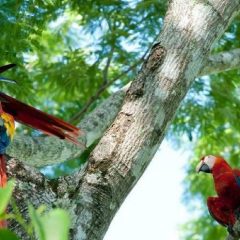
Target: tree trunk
{"points": [[149, 106], [42, 151], [123, 153]]}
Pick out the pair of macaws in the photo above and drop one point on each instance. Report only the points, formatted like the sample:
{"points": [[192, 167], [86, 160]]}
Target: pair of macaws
{"points": [[226, 180], [13, 110], [226, 206]]}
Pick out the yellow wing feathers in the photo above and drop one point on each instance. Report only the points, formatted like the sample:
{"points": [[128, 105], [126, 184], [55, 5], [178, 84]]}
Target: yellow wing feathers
{"points": [[8, 122]]}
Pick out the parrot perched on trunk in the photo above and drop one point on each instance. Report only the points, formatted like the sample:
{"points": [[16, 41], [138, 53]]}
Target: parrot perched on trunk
{"points": [[225, 207], [13, 110], [7, 129]]}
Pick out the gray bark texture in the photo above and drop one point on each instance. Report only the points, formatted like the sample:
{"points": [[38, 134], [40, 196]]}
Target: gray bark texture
{"points": [[128, 145], [220, 62], [42, 151]]}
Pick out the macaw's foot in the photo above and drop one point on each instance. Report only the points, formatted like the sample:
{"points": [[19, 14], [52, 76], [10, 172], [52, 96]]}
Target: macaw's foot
{"points": [[234, 233], [230, 230], [237, 213]]}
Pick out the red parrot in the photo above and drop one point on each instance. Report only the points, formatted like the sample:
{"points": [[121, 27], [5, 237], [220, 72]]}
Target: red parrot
{"points": [[225, 206], [13, 110]]}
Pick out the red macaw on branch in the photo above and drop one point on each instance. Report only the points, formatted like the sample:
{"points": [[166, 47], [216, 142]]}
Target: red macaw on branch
{"points": [[13, 110], [225, 207]]}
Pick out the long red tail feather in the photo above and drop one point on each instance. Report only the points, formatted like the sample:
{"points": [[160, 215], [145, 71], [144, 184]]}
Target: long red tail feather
{"points": [[3, 182], [35, 118]]}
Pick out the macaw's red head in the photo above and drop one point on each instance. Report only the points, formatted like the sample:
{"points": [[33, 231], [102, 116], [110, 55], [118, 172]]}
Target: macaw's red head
{"points": [[207, 163]]}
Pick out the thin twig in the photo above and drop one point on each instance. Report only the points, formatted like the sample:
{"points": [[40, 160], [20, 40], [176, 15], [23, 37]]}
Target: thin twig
{"points": [[105, 70], [102, 88], [79, 115]]}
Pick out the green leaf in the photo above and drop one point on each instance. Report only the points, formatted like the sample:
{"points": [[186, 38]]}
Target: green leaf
{"points": [[45, 225], [5, 195], [37, 222], [56, 219], [6, 234]]}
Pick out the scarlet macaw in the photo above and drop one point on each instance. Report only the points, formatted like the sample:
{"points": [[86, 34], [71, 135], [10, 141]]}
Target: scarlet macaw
{"points": [[13, 110], [225, 206]]}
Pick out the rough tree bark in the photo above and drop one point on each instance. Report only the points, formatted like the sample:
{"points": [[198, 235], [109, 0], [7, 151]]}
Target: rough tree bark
{"points": [[42, 151], [123, 153]]}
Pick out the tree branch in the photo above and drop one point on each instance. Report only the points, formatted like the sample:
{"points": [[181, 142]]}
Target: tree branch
{"points": [[79, 115], [41, 151], [220, 62], [129, 144], [93, 98], [106, 68]]}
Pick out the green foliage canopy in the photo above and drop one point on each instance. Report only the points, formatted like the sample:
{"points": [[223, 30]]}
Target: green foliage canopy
{"points": [[67, 50]]}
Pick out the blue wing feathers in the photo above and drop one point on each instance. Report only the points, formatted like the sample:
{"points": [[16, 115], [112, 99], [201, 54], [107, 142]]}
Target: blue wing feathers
{"points": [[237, 180], [236, 173], [4, 139]]}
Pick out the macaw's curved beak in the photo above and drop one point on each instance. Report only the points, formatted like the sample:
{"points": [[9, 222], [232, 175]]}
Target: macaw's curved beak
{"points": [[5, 68], [203, 167]]}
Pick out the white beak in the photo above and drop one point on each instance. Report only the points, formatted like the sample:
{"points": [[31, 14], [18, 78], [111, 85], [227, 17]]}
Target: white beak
{"points": [[199, 166]]}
